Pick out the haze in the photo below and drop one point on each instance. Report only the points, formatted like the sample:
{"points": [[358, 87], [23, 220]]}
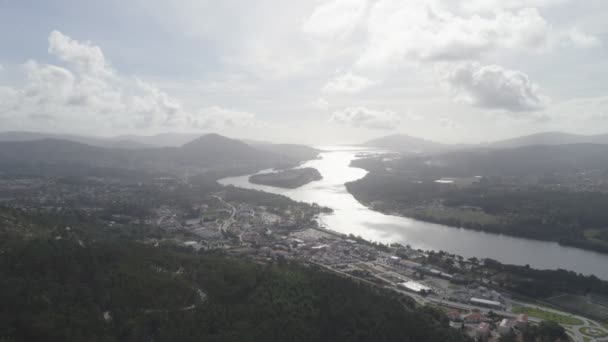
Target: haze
{"points": [[315, 72]]}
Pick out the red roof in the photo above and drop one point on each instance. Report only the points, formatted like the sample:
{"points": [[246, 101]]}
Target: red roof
{"points": [[473, 317]]}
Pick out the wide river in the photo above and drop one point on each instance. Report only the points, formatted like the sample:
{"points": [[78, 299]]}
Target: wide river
{"points": [[350, 216]]}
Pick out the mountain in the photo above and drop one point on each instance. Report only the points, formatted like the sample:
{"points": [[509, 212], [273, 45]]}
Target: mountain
{"points": [[94, 141], [162, 139], [292, 151], [551, 138], [406, 143], [534, 160], [209, 153]]}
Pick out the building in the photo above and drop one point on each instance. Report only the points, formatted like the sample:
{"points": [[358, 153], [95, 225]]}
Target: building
{"points": [[486, 303], [483, 332], [473, 318], [521, 322], [505, 326], [415, 287], [455, 316]]}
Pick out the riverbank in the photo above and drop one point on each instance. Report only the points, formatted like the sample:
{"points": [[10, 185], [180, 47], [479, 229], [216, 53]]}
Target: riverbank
{"points": [[351, 217], [566, 217]]}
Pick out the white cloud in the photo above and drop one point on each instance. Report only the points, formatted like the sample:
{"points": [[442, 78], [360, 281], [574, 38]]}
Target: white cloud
{"points": [[493, 87], [490, 6], [347, 83], [416, 30], [366, 118], [580, 38], [84, 56], [336, 18], [88, 91], [321, 104]]}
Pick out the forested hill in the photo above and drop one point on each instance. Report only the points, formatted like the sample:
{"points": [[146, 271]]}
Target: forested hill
{"points": [[211, 152], [57, 286]]}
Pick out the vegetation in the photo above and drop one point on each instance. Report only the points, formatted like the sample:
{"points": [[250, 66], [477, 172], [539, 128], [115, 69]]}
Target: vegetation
{"points": [[523, 192], [291, 179], [57, 291], [535, 283], [547, 315], [593, 332]]}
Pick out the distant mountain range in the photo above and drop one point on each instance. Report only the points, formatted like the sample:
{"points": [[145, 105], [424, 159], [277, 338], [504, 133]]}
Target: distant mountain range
{"points": [[406, 143], [551, 138], [209, 153]]}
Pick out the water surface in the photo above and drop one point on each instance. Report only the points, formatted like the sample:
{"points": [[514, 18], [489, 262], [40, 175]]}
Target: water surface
{"points": [[350, 216]]}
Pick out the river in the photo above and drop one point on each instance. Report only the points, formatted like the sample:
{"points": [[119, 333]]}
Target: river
{"points": [[350, 216]]}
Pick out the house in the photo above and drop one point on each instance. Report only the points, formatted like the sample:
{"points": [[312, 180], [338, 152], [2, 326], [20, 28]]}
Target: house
{"points": [[505, 326], [483, 332], [473, 318], [521, 322]]}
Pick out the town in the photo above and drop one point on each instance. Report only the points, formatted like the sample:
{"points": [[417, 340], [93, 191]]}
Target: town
{"points": [[267, 228]]}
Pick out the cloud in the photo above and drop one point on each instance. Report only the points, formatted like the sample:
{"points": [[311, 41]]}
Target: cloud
{"points": [[84, 56], [493, 87], [366, 118], [421, 30], [580, 38], [89, 92], [321, 104], [491, 6], [336, 18], [347, 83], [447, 123], [216, 117]]}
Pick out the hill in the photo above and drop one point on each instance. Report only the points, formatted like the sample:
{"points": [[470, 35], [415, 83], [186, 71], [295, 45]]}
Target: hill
{"points": [[293, 151], [209, 153], [77, 288], [161, 139], [94, 141], [547, 192], [551, 138]]}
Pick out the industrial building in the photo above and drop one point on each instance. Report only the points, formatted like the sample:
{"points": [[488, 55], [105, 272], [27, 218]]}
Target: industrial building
{"points": [[486, 303], [415, 287]]}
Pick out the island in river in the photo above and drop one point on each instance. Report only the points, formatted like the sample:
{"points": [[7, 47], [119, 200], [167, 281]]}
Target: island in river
{"points": [[290, 179]]}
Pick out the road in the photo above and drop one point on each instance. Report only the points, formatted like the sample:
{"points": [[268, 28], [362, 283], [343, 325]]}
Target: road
{"points": [[228, 222]]}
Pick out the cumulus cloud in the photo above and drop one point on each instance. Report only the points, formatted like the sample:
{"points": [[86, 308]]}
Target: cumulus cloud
{"points": [[366, 118], [347, 83], [481, 6], [89, 91], [422, 30], [394, 31], [494, 87], [336, 18]]}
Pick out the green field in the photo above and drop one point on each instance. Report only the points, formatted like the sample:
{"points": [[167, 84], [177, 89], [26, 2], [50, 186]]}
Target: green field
{"points": [[581, 305], [593, 332], [547, 315]]}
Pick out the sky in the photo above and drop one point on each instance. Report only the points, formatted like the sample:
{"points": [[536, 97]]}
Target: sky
{"points": [[309, 71]]}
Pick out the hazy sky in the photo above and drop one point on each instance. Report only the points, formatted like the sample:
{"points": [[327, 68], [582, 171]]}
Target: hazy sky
{"points": [[305, 71]]}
